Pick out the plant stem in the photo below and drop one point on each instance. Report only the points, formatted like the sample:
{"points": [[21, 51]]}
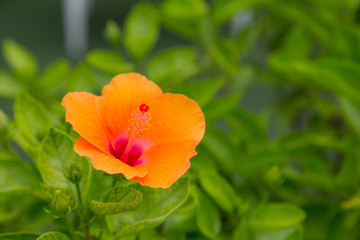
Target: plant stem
{"points": [[78, 192], [83, 213], [69, 228]]}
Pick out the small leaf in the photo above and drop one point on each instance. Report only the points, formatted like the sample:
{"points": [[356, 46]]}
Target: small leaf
{"points": [[15, 177], [159, 204], [22, 62], [175, 16], [208, 217], [219, 189], [290, 233], [80, 79], [108, 62], [18, 236], [261, 160], [276, 216], [9, 86], [31, 117], [116, 200], [53, 236], [173, 64], [141, 30], [221, 106], [112, 33], [201, 91], [56, 155], [54, 74]]}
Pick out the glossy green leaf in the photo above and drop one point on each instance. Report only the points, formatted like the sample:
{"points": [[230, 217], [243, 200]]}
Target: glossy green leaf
{"points": [[108, 62], [18, 236], [219, 189], [247, 126], [208, 217], [9, 86], [53, 236], [172, 65], [54, 74], [219, 107], [261, 160], [22, 62], [31, 117], [352, 113], [141, 30], [290, 233], [112, 33], [80, 79], [223, 10], [56, 155], [221, 147], [14, 177], [159, 204], [276, 216], [175, 16], [116, 200], [201, 91]]}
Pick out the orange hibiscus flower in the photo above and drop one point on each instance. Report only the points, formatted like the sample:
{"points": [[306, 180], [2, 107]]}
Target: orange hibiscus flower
{"points": [[136, 130]]}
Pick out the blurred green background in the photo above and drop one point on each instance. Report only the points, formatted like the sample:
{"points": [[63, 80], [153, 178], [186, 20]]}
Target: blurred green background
{"points": [[278, 81]]}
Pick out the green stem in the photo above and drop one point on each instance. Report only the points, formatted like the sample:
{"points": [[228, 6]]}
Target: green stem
{"points": [[83, 213], [69, 228], [102, 220], [78, 192]]}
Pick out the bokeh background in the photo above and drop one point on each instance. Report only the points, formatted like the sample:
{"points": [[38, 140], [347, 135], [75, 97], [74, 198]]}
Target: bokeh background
{"points": [[278, 81]]}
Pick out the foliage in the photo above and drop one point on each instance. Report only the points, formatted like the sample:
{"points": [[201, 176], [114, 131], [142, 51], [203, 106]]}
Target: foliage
{"points": [[279, 167]]}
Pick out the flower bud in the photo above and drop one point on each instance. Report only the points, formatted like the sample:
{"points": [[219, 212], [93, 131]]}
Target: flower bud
{"points": [[74, 174], [60, 204]]}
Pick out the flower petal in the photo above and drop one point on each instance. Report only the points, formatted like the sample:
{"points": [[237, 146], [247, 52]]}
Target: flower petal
{"points": [[124, 94], [106, 162], [175, 118], [166, 163], [83, 116]]}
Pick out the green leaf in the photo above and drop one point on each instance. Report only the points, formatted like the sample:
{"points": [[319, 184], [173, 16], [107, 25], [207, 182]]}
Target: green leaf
{"points": [[53, 236], [247, 126], [219, 189], [261, 160], [158, 204], [116, 200], [80, 79], [173, 65], [9, 86], [56, 155], [112, 33], [14, 177], [223, 10], [54, 74], [22, 62], [141, 30], [275, 216], [290, 233], [31, 117], [108, 62], [175, 16], [208, 217], [219, 107], [201, 91], [221, 147], [18, 236], [352, 113]]}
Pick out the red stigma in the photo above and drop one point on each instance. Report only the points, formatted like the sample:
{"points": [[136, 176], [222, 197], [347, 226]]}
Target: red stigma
{"points": [[143, 108]]}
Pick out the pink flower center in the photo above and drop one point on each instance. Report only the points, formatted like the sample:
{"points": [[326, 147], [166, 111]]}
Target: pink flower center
{"points": [[129, 149]]}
